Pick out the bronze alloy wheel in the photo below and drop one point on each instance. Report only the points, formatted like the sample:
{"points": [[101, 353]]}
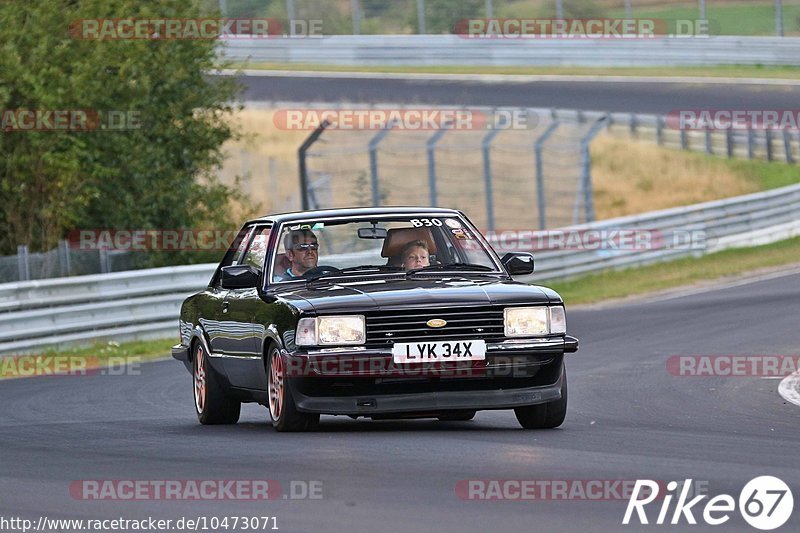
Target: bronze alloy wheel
{"points": [[200, 379], [276, 384]]}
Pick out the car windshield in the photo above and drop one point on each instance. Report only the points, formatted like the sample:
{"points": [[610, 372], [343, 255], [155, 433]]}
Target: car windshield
{"points": [[316, 248]]}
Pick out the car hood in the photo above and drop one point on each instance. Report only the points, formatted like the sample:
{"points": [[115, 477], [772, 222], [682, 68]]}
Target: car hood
{"points": [[380, 293]]}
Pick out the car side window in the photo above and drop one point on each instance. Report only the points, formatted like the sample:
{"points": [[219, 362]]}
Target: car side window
{"points": [[234, 253], [238, 247], [257, 250]]}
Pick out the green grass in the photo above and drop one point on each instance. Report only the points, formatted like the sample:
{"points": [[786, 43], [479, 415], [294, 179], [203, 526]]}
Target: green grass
{"points": [[732, 71], [764, 174], [742, 19], [622, 283], [95, 356]]}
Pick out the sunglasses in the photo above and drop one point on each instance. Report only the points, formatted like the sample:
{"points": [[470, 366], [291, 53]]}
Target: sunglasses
{"points": [[306, 246]]}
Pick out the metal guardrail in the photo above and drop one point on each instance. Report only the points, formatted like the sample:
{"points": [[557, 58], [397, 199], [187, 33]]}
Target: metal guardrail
{"points": [[145, 303], [138, 304], [758, 218], [428, 50]]}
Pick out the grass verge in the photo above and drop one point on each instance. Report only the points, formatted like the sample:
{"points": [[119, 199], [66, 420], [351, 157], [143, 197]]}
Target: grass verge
{"points": [[736, 19], [613, 284], [632, 177], [731, 71], [85, 360]]}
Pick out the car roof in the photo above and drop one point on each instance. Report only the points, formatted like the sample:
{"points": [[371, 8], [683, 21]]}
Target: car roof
{"points": [[355, 212]]}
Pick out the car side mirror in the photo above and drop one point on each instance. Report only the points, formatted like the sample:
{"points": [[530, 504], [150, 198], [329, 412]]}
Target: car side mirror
{"points": [[518, 263], [239, 277]]}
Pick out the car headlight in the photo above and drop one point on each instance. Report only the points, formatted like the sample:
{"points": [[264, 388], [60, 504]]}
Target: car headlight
{"points": [[331, 330], [534, 321]]}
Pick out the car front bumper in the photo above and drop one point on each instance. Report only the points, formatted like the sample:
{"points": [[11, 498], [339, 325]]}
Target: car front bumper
{"points": [[514, 374], [427, 401], [181, 353]]}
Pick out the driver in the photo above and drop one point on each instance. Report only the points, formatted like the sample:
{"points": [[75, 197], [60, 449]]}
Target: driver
{"points": [[302, 251]]}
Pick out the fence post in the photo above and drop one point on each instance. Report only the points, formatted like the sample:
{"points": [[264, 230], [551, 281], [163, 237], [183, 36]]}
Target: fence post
{"points": [[23, 263], [709, 150], [787, 146], [684, 139], [355, 9], [537, 149], [430, 146], [422, 30], [633, 124], [768, 139], [660, 130], [63, 258], [290, 15], [586, 170], [301, 155], [750, 140], [487, 175], [729, 141], [103, 256], [373, 163]]}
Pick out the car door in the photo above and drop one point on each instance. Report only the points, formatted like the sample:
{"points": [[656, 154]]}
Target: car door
{"points": [[221, 333], [243, 359]]}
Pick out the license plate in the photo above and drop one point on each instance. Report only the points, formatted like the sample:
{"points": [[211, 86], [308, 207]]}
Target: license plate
{"points": [[422, 352]]}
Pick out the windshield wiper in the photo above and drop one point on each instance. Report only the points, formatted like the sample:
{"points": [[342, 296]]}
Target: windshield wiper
{"points": [[452, 266]]}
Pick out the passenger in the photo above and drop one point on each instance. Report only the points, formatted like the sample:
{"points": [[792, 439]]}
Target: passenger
{"points": [[302, 251], [415, 255]]}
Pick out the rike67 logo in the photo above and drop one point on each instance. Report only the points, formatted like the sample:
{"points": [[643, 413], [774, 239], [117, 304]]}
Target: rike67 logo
{"points": [[765, 503]]}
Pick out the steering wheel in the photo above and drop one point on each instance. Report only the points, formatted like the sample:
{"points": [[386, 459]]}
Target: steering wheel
{"points": [[320, 269]]}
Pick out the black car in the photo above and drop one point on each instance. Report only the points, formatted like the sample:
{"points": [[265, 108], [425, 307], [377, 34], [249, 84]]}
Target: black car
{"points": [[374, 312]]}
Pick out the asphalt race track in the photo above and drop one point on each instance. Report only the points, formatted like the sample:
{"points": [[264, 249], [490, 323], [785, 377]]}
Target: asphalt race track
{"points": [[639, 97], [628, 418]]}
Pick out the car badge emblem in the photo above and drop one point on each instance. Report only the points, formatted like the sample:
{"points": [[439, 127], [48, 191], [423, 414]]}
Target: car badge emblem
{"points": [[436, 323]]}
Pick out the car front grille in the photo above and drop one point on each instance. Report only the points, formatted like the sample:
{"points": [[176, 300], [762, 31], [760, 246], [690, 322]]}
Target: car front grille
{"points": [[463, 323]]}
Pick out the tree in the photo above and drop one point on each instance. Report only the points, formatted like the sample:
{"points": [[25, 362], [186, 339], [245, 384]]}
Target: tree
{"points": [[442, 15], [159, 174]]}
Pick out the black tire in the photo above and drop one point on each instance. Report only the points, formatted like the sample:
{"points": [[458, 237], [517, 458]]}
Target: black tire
{"points": [[545, 415], [457, 416], [281, 406], [210, 402]]}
